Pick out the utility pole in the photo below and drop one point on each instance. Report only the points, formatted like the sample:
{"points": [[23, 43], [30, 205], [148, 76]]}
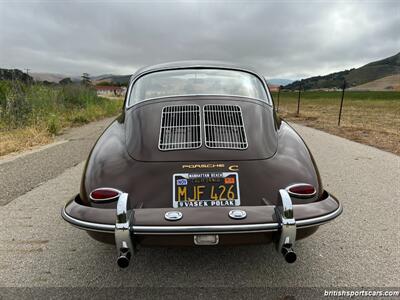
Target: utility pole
{"points": [[298, 98], [341, 102], [28, 81]]}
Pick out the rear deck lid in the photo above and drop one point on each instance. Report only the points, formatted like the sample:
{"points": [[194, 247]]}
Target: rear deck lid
{"points": [[200, 129]]}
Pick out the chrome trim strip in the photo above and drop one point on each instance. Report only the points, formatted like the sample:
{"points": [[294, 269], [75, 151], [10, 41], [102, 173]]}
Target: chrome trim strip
{"points": [[211, 229], [169, 230], [320, 220], [108, 228]]}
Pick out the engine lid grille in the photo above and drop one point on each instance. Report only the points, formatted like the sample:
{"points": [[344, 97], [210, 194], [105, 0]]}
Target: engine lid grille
{"points": [[180, 128], [223, 127]]}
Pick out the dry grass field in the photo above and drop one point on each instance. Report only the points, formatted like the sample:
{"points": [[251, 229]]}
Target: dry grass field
{"points": [[388, 83], [371, 118]]}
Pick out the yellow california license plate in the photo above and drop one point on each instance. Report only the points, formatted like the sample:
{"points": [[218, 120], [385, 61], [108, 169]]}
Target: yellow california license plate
{"points": [[206, 189]]}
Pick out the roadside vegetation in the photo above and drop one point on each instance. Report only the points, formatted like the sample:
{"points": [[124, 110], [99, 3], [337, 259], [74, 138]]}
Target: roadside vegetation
{"points": [[33, 114], [372, 118]]}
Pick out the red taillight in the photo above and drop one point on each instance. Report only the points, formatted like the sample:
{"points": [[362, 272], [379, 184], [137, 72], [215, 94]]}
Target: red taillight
{"points": [[104, 194], [301, 190]]}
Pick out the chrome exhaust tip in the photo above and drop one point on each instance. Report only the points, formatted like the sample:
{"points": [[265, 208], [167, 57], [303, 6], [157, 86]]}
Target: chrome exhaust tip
{"points": [[123, 260], [289, 255]]}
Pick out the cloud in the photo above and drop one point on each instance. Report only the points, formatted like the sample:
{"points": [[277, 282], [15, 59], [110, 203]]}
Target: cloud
{"points": [[281, 39]]}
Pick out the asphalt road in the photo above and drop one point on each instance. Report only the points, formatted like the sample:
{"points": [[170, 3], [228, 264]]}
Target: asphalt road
{"points": [[21, 173], [360, 248]]}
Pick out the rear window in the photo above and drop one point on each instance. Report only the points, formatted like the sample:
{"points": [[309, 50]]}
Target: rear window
{"points": [[197, 82]]}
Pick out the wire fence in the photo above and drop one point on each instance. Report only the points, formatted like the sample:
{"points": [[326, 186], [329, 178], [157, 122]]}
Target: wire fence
{"points": [[369, 117], [299, 100]]}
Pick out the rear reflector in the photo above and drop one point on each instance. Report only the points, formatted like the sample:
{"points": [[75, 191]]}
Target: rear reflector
{"points": [[104, 194], [301, 190]]}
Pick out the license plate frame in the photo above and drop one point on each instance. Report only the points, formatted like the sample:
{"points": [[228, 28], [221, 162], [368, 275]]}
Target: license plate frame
{"points": [[208, 179]]}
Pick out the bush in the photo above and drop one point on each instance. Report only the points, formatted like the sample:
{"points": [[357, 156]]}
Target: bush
{"points": [[31, 114], [73, 95], [53, 125], [15, 105], [50, 107]]}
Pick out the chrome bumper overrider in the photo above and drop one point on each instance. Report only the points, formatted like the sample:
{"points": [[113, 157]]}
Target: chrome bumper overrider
{"points": [[125, 229], [123, 239]]}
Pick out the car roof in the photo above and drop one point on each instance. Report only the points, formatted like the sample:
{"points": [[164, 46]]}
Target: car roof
{"points": [[186, 64]]}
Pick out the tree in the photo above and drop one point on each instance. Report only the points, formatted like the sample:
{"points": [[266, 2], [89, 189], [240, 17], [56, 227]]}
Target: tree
{"points": [[65, 81], [45, 82], [86, 79], [15, 74]]}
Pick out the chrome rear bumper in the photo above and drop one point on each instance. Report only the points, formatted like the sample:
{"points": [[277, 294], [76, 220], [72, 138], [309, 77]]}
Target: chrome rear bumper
{"points": [[126, 228]]}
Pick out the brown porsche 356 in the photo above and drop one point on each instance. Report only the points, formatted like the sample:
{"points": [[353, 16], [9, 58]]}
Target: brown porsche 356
{"points": [[198, 156]]}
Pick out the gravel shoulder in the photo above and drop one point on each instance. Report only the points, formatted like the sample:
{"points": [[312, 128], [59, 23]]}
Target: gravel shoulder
{"points": [[359, 249]]}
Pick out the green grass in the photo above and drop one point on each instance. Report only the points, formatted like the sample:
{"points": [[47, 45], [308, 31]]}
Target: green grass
{"points": [[372, 118], [31, 114]]}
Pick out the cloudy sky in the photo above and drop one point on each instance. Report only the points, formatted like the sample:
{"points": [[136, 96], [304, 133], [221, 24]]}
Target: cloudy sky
{"points": [[282, 39]]}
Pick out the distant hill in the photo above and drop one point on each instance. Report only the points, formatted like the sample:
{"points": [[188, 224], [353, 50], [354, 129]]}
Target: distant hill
{"points": [[52, 77], [113, 79], [14, 74], [56, 77], [279, 81], [10, 74], [388, 83], [354, 77]]}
